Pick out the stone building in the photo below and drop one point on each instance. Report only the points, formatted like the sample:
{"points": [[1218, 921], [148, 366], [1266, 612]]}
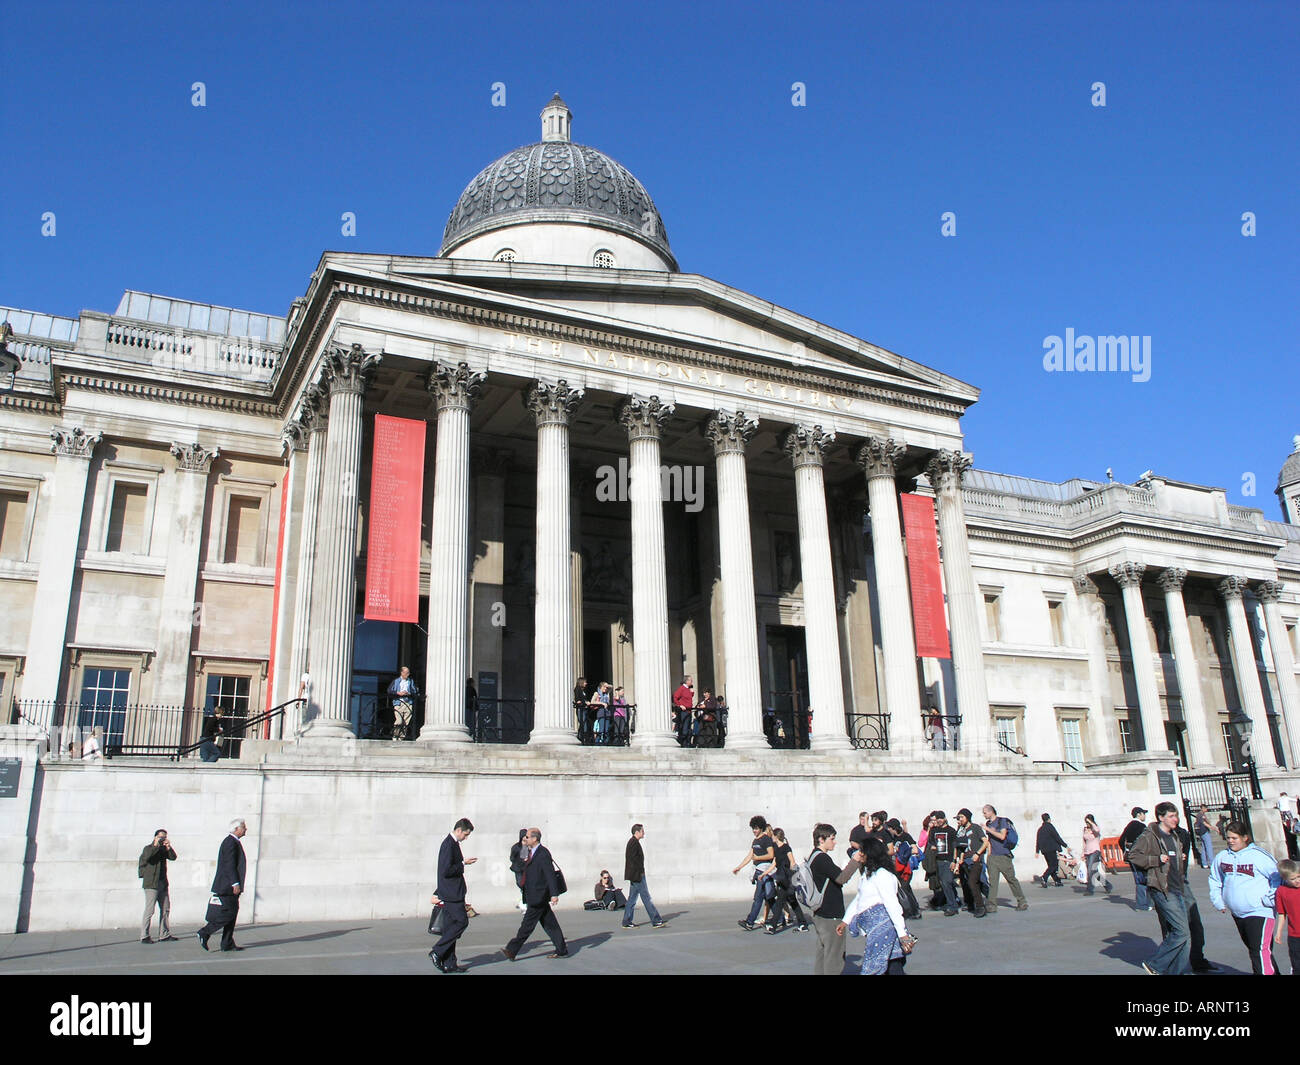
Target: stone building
{"points": [[185, 521]]}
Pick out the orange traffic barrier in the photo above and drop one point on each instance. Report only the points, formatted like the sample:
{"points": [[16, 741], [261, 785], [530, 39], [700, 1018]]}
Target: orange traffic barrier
{"points": [[1112, 855]]}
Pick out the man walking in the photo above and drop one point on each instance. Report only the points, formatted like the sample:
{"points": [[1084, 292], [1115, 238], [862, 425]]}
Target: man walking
{"points": [[1158, 854], [972, 845], [762, 852], [541, 892], [1002, 841], [1127, 838], [1050, 844], [153, 875], [941, 859], [634, 874], [451, 893], [227, 886]]}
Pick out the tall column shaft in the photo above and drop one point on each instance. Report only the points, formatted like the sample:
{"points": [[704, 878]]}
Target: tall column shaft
{"points": [[282, 684], [806, 447], [65, 496], [1093, 611], [1189, 675], [312, 420], [553, 721], [729, 434], [1128, 575], [1270, 593], [653, 691], [334, 621], [180, 578], [1243, 660], [945, 471], [898, 642], [448, 651]]}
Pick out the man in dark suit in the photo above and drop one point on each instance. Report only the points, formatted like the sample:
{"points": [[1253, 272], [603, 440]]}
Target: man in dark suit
{"points": [[451, 892], [541, 892], [227, 886]]}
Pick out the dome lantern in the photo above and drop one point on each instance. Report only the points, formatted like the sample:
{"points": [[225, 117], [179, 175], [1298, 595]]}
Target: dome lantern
{"points": [[557, 120]]}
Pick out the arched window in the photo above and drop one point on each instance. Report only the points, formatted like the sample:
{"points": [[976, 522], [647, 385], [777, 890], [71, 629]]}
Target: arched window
{"points": [[505, 255], [604, 259]]}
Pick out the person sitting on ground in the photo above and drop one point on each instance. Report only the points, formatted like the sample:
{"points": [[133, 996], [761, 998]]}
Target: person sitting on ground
{"points": [[608, 895]]}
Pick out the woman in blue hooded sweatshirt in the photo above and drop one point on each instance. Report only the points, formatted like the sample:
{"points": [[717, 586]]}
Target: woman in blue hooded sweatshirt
{"points": [[1243, 880]]}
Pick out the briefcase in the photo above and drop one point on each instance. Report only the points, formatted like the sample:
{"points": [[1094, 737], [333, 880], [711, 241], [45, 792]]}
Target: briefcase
{"points": [[561, 885]]}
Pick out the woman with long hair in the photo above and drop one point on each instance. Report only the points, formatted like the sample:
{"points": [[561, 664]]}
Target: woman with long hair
{"points": [[1092, 855], [782, 871], [876, 915]]}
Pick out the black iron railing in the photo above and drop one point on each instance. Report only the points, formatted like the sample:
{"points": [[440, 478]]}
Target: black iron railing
{"points": [[700, 726], [501, 720], [941, 731], [787, 727], [378, 717], [1063, 764], [604, 726], [869, 732]]}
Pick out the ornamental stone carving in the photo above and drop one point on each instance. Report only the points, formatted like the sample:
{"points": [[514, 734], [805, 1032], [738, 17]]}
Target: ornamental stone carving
{"points": [[644, 419], [313, 410], [293, 437], [729, 433], [1233, 587], [1171, 579], [944, 470], [74, 442], [1085, 585], [1128, 574], [552, 404], [349, 369], [879, 456], [455, 387], [194, 458], [1270, 591], [806, 445]]}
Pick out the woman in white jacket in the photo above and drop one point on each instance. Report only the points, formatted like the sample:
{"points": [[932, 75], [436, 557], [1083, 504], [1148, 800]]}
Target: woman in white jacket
{"points": [[876, 915]]}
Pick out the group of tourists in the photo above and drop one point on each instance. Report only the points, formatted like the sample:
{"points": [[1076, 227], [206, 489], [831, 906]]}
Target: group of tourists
{"points": [[603, 714], [698, 722]]}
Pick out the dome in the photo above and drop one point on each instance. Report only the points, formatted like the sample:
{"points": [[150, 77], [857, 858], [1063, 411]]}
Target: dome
{"points": [[557, 181], [1291, 468]]}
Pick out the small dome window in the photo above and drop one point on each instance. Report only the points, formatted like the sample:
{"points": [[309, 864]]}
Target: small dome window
{"points": [[505, 255], [604, 259]]}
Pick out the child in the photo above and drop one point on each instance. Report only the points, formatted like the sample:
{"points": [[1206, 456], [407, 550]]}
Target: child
{"points": [[1288, 911]]}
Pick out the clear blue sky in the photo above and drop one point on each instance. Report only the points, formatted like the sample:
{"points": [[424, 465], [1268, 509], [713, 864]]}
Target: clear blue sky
{"points": [[1117, 220]]}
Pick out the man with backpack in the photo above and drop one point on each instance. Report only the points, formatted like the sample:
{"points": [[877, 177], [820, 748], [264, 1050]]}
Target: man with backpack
{"points": [[1132, 832], [818, 884], [1002, 842]]}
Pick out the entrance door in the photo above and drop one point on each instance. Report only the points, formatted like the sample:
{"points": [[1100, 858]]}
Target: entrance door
{"points": [[596, 657], [785, 718]]}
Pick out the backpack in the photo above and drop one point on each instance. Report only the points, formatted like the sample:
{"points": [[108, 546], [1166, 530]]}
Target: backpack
{"points": [[805, 884], [1013, 837]]}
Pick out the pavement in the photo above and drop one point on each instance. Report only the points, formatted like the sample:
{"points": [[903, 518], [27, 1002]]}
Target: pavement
{"points": [[1062, 933]]}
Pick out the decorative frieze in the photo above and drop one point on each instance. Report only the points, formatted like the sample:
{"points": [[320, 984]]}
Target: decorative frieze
{"points": [[729, 433], [552, 404], [455, 387], [806, 445], [644, 419], [74, 441]]}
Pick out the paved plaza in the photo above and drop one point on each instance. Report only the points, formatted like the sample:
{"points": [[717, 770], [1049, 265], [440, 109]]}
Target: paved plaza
{"points": [[1062, 933]]}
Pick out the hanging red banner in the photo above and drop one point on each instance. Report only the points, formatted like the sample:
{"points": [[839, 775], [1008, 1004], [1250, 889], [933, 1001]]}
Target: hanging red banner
{"points": [[923, 568], [393, 535]]}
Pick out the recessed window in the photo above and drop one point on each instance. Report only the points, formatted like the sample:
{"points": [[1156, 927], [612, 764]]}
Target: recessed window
{"points": [[505, 255], [1072, 740], [604, 259], [1056, 619], [13, 523], [243, 528], [1127, 743], [992, 617], [126, 518], [104, 696]]}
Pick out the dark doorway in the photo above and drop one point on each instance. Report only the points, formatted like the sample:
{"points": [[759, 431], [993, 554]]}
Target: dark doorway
{"points": [[786, 715], [595, 657], [380, 649]]}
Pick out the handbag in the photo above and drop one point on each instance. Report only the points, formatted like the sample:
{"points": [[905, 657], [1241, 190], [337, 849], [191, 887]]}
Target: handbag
{"points": [[561, 885], [435, 921]]}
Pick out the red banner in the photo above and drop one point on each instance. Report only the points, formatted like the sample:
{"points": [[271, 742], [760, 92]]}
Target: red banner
{"points": [[923, 568], [393, 538]]}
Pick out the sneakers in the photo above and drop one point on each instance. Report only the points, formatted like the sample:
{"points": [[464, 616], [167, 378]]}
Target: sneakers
{"points": [[748, 926], [770, 930], [804, 927], [627, 926], [661, 924], [1022, 905], [169, 938], [951, 913], [146, 939]]}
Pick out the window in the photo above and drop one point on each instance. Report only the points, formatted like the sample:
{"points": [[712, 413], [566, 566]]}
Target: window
{"points": [[1293, 634], [243, 528], [992, 617], [1231, 746], [505, 255], [13, 524], [1160, 628], [1127, 743], [1072, 740], [229, 692], [1056, 619], [604, 259], [1176, 740], [104, 697], [126, 518], [1005, 727]]}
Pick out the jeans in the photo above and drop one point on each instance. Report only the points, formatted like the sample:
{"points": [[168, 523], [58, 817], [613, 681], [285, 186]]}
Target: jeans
{"points": [[1096, 873], [948, 884], [1206, 842], [209, 751], [638, 890], [1174, 954], [785, 896], [602, 730], [1143, 901], [762, 889]]}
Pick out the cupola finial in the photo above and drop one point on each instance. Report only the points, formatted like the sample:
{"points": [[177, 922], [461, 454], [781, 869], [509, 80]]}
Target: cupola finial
{"points": [[557, 120]]}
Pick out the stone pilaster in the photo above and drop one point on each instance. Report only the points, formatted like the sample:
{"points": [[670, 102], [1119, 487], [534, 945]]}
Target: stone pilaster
{"points": [[1233, 590], [454, 390], [553, 721], [644, 420], [311, 422], [177, 617], [878, 458], [346, 374], [1128, 575], [1269, 594], [65, 497], [729, 433], [282, 683], [944, 472], [806, 446], [1185, 666], [1092, 621]]}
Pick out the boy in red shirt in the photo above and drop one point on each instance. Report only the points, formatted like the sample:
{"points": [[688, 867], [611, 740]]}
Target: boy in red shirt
{"points": [[1288, 911]]}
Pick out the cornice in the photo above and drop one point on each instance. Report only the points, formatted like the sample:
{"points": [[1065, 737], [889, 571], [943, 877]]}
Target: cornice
{"points": [[166, 394], [37, 404]]}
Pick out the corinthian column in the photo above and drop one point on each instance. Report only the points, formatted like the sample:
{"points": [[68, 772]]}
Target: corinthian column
{"points": [[644, 420], [1233, 589], [944, 472], [729, 433], [1092, 617], [1128, 575], [454, 390], [878, 457], [346, 374], [553, 723], [806, 447], [1269, 594], [311, 423], [1189, 676]]}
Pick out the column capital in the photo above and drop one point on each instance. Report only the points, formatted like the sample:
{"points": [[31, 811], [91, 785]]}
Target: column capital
{"points": [[729, 433], [1233, 587], [1128, 574], [1085, 585], [806, 445], [1269, 591], [349, 369], [194, 458], [551, 404], [454, 387], [944, 470], [644, 419], [74, 441], [293, 437], [879, 456], [1172, 579]]}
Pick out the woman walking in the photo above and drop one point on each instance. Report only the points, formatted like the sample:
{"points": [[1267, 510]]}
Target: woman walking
{"points": [[1092, 855], [782, 870], [1244, 881], [876, 915]]}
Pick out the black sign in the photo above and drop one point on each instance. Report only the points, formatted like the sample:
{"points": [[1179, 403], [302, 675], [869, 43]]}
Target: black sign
{"points": [[10, 770], [1165, 782]]}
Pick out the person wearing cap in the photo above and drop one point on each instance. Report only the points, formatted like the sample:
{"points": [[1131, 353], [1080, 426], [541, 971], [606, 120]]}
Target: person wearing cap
{"points": [[1127, 838]]}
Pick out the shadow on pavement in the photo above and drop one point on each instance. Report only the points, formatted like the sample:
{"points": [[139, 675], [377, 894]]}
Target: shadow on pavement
{"points": [[333, 934], [1129, 947], [88, 946]]}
